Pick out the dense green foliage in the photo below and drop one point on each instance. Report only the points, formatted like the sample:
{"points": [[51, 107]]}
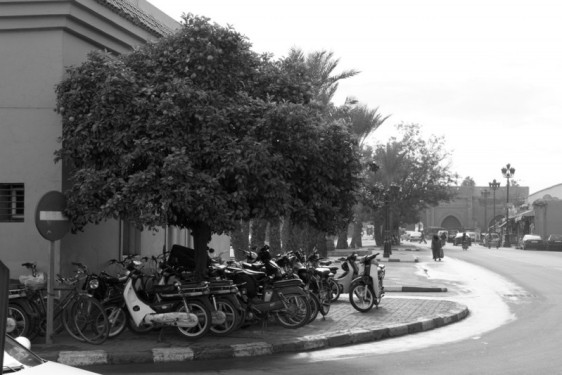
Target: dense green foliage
{"points": [[418, 166], [197, 130]]}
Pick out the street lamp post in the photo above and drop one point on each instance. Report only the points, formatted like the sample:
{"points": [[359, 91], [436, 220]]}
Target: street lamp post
{"points": [[485, 194], [494, 185], [508, 171]]}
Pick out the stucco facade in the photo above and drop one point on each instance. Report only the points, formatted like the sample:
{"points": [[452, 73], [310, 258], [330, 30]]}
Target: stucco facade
{"points": [[471, 211], [38, 40]]}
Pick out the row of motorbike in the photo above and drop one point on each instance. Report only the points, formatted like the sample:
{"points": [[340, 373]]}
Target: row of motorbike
{"points": [[292, 289]]}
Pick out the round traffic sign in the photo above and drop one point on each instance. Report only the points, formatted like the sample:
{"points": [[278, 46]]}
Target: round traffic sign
{"points": [[50, 220]]}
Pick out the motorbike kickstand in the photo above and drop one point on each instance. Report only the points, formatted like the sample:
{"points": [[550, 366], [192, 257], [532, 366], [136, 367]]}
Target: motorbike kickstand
{"points": [[160, 335]]}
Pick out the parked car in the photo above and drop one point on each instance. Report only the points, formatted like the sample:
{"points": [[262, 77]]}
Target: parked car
{"points": [[531, 242], [490, 239], [554, 242], [458, 238], [19, 359]]}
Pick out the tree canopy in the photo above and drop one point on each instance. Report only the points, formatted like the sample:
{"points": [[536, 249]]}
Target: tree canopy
{"points": [[418, 166], [198, 131]]}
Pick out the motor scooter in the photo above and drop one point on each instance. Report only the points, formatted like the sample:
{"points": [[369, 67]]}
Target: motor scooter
{"points": [[367, 289], [185, 306], [343, 280]]}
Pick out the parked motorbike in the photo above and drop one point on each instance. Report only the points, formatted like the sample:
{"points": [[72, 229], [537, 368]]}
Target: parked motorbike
{"points": [[317, 280], [293, 264], [266, 294], [185, 306], [343, 280], [367, 289], [226, 310]]}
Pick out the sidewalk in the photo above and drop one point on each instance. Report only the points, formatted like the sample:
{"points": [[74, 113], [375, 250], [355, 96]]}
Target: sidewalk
{"points": [[342, 326]]}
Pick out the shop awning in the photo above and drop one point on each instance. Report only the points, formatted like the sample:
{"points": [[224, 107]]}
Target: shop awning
{"points": [[521, 215]]}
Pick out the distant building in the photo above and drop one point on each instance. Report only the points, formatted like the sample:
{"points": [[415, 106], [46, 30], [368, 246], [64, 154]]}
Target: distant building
{"points": [[470, 210]]}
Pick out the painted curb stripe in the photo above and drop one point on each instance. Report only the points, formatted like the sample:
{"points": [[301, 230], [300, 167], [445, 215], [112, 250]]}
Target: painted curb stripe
{"points": [[160, 355], [252, 349], [83, 358]]}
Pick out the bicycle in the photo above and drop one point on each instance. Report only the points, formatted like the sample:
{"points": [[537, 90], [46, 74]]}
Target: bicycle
{"points": [[82, 316]]}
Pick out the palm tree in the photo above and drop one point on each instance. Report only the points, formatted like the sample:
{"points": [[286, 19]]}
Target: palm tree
{"points": [[364, 121], [321, 66]]}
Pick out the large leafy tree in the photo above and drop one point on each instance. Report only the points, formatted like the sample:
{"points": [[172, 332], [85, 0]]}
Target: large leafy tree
{"points": [[418, 166], [198, 131]]}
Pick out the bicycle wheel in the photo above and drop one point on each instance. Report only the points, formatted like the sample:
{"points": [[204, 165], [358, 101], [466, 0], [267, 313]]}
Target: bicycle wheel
{"points": [[41, 326], [67, 315], [117, 319], [89, 320], [18, 323]]}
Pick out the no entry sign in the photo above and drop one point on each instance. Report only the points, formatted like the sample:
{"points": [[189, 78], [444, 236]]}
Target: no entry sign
{"points": [[49, 216]]}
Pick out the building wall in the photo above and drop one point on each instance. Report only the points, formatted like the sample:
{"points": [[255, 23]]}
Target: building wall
{"points": [[38, 40], [548, 217], [473, 211]]}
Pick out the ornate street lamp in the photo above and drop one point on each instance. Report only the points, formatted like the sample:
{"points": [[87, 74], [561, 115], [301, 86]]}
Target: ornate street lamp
{"points": [[494, 185], [389, 197], [485, 194], [508, 171]]}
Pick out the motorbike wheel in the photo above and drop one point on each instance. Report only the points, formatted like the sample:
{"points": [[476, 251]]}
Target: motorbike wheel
{"points": [[204, 316], [19, 322], [297, 312], [336, 291], [325, 299], [314, 306], [232, 318], [117, 319], [361, 297]]}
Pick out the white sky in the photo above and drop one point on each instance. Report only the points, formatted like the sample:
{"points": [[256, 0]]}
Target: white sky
{"points": [[485, 74]]}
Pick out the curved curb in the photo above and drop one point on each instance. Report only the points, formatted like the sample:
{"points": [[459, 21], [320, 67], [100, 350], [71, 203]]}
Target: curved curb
{"points": [[259, 348]]}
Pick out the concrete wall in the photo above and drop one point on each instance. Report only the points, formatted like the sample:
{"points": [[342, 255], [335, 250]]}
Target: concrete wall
{"points": [[38, 40], [548, 217]]}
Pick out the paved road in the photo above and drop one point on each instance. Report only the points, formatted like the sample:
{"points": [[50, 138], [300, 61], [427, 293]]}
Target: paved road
{"points": [[525, 338]]}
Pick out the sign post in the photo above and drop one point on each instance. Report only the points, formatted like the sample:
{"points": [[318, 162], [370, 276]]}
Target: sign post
{"points": [[4, 280], [52, 225]]}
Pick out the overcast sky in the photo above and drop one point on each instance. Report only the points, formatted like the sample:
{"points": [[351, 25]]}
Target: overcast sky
{"points": [[485, 75]]}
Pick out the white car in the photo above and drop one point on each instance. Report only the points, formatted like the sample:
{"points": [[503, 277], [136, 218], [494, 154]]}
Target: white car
{"points": [[18, 359], [414, 236]]}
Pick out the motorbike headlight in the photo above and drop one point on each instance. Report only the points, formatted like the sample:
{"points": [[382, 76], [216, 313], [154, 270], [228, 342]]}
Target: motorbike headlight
{"points": [[94, 284]]}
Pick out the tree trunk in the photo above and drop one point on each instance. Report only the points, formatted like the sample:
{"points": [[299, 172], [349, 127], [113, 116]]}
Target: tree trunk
{"points": [[379, 236], [258, 229], [342, 239], [356, 236], [201, 233], [321, 244], [274, 235], [240, 239]]}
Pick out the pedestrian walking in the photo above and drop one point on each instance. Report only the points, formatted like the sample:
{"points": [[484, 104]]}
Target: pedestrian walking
{"points": [[436, 248], [443, 238], [422, 238]]}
